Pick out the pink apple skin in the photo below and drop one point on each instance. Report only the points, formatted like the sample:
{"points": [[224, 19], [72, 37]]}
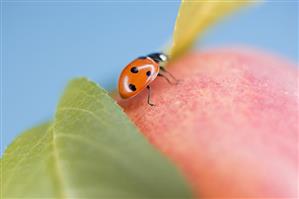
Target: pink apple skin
{"points": [[230, 125]]}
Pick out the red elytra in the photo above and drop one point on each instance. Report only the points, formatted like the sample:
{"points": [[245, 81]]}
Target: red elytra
{"points": [[136, 76], [139, 73]]}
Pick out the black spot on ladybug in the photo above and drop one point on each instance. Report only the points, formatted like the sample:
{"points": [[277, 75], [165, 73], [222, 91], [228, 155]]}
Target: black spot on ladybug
{"points": [[132, 87], [148, 73], [134, 70]]}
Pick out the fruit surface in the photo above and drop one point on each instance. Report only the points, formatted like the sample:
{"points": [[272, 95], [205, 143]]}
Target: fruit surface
{"points": [[230, 125]]}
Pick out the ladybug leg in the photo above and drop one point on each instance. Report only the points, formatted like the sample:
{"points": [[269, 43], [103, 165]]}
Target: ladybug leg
{"points": [[149, 96], [161, 75], [165, 71]]}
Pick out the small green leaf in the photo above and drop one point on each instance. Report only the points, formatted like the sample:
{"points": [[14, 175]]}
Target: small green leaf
{"points": [[90, 150]]}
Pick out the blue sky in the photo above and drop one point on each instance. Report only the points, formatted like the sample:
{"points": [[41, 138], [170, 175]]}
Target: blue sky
{"points": [[47, 43]]}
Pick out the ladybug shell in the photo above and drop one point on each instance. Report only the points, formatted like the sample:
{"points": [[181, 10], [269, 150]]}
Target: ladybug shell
{"points": [[136, 76]]}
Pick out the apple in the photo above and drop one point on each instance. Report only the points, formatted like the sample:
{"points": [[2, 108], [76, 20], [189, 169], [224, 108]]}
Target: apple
{"points": [[230, 125]]}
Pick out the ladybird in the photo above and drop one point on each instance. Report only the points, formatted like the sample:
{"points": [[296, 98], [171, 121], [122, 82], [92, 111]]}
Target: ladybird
{"points": [[139, 73]]}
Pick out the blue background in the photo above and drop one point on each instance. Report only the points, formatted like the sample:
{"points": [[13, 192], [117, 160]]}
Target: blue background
{"points": [[45, 44]]}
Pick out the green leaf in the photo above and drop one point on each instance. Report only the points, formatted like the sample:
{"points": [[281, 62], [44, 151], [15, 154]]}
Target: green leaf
{"points": [[90, 150]]}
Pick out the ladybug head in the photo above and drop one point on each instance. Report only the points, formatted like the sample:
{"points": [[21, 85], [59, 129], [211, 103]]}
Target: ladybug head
{"points": [[158, 57]]}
